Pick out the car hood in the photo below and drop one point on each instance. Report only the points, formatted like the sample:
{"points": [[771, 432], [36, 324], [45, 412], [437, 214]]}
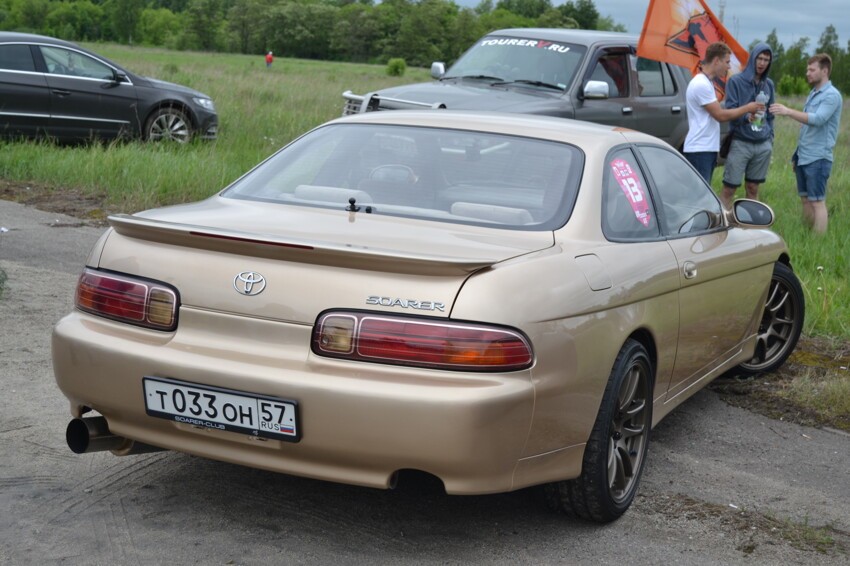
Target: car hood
{"points": [[175, 87], [465, 94], [311, 259]]}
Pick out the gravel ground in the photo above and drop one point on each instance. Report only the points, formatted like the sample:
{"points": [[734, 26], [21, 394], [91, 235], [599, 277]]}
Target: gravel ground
{"points": [[722, 486]]}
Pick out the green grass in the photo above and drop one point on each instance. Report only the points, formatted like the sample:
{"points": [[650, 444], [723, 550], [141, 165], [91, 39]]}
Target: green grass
{"points": [[821, 261], [260, 110], [826, 392]]}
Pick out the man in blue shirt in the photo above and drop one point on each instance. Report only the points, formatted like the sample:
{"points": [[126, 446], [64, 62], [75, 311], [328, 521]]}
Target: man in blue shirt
{"points": [[813, 157]]}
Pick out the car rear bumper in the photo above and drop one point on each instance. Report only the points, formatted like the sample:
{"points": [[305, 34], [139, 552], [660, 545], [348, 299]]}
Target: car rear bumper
{"points": [[360, 423]]}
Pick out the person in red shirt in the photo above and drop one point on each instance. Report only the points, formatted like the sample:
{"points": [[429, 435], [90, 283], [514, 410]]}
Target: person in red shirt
{"points": [[269, 60]]}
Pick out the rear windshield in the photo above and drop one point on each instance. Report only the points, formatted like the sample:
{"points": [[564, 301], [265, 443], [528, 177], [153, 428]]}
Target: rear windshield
{"points": [[511, 59], [437, 174]]}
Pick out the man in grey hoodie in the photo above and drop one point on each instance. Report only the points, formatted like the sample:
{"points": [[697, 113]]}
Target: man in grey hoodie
{"points": [[752, 141]]}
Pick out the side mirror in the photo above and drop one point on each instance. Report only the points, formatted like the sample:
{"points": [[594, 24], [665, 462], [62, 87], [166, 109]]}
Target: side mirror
{"points": [[753, 213], [438, 69], [118, 77], [596, 90]]}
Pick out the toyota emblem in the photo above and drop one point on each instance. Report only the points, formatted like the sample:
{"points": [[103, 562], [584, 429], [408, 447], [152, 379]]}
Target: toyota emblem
{"points": [[249, 283]]}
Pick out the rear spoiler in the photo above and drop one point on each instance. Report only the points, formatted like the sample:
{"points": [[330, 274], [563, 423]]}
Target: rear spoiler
{"points": [[276, 247], [357, 103]]}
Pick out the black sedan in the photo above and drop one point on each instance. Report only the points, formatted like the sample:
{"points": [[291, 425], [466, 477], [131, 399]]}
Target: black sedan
{"points": [[59, 89]]}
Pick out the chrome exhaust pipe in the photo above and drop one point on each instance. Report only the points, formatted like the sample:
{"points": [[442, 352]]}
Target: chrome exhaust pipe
{"points": [[91, 434]]}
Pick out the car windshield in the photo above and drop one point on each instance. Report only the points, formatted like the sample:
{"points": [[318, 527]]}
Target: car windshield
{"points": [[509, 59], [444, 175]]}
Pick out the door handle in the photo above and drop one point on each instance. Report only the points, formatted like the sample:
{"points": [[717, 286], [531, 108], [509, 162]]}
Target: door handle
{"points": [[61, 92], [627, 109], [689, 269], [676, 109]]}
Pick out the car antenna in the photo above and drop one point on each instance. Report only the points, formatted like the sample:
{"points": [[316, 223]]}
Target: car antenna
{"points": [[352, 206]]}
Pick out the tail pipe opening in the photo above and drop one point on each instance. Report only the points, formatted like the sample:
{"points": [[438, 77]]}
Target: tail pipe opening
{"points": [[91, 434]]}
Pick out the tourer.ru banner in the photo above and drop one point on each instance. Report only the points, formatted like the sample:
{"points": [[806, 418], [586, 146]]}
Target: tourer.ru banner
{"points": [[540, 44]]}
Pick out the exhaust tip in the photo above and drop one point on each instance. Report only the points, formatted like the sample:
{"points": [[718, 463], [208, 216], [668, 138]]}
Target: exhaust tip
{"points": [[91, 434], [77, 436]]}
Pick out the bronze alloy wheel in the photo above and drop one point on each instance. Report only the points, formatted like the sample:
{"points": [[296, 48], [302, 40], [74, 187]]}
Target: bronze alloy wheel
{"points": [[781, 322], [616, 451], [629, 431]]}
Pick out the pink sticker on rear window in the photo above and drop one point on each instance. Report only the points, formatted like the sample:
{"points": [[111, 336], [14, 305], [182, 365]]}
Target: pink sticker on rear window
{"points": [[629, 182]]}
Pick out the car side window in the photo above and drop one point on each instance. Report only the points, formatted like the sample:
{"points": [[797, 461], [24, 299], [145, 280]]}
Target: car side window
{"points": [[613, 68], [16, 57], [654, 78], [66, 62], [687, 203], [627, 210]]}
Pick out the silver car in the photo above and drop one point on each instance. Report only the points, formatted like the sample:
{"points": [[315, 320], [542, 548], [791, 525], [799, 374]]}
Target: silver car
{"points": [[586, 75]]}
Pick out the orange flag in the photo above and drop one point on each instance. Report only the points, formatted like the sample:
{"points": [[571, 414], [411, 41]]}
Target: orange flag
{"points": [[679, 31]]}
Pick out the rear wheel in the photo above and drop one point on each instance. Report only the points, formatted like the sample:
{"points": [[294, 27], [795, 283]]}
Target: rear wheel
{"points": [[168, 124], [781, 322], [615, 454]]}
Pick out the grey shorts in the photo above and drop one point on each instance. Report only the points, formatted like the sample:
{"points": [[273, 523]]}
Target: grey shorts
{"points": [[749, 161]]}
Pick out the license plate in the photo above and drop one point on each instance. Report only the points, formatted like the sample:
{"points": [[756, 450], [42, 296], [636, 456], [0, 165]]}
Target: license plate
{"points": [[222, 409]]}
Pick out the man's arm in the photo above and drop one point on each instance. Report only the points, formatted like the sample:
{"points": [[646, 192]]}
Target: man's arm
{"points": [[726, 114], [782, 110], [733, 100], [771, 100], [817, 118]]}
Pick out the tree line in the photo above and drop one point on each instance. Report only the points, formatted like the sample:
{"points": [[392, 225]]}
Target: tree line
{"points": [[418, 31], [788, 69]]}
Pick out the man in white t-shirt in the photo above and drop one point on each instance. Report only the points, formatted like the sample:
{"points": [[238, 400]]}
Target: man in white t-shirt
{"points": [[705, 113]]}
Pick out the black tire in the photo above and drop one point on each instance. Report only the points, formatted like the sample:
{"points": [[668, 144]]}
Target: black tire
{"points": [[168, 123], [616, 452], [781, 322]]}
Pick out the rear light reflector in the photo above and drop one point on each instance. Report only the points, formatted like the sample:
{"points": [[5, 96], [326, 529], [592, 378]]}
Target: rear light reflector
{"points": [[127, 299], [420, 342]]}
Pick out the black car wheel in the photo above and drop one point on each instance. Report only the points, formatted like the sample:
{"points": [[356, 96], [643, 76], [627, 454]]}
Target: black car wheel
{"points": [[168, 124], [616, 452], [781, 322]]}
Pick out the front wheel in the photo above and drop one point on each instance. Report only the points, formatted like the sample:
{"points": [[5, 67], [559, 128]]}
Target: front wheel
{"points": [[616, 452], [168, 124], [781, 322]]}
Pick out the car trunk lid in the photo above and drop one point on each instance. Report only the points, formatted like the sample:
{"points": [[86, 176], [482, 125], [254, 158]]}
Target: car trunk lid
{"points": [[309, 259]]}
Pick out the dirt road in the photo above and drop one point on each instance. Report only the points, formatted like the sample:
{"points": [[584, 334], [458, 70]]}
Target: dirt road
{"points": [[722, 486]]}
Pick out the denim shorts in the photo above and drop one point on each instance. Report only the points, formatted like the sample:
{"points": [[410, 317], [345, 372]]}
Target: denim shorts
{"points": [[703, 161], [811, 179]]}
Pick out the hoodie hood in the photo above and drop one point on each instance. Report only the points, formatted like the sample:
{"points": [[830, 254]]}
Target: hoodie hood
{"points": [[742, 88], [750, 72]]}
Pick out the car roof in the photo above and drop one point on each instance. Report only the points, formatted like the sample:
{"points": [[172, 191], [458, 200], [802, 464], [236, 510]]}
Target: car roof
{"points": [[576, 132], [14, 36], [18, 37], [579, 36]]}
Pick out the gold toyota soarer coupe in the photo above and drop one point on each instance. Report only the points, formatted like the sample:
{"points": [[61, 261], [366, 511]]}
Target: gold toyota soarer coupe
{"points": [[499, 300]]}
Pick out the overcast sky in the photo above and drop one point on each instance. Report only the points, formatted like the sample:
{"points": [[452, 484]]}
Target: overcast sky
{"points": [[748, 20]]}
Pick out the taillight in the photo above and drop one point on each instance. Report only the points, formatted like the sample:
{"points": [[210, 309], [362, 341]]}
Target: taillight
{"points": [[419, 342], [127, 299]]}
